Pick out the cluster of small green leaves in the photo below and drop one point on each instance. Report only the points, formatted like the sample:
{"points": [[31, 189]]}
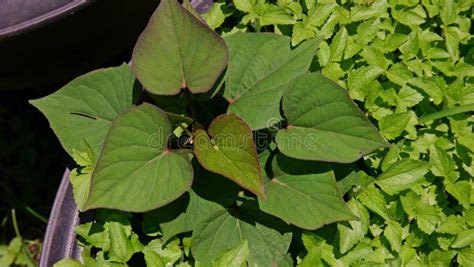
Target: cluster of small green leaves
{"points": [[18, 251], [404, 60]]}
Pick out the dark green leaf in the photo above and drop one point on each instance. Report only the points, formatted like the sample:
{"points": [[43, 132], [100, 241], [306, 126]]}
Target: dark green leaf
{"points": [[82, 111], [307, 200], [136, 171], [176, 51], [256, 78], [324, 123]]}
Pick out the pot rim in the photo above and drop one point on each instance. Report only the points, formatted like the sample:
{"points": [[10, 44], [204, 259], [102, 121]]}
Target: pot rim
{"points": [[44, 19]]}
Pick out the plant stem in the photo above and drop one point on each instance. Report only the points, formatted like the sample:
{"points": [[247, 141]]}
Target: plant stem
{"points": [[257, 25], [36, 214], [184, 129], [30, 261], [446, 113], [15, 223]]}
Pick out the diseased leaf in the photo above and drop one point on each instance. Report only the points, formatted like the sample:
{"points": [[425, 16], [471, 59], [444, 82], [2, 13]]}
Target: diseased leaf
{"points": [[306, 199], [229, 150], [223, 231], [81, 112], [324, 124], [136, 171], [178, 51], [256, 78], [402, 175]]}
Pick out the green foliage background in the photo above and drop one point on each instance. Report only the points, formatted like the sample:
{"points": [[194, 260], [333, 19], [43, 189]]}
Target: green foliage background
{"points": [[401, 60]]}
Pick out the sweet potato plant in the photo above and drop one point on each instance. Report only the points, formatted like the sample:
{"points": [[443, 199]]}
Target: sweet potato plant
{"points": [[232, 138]]}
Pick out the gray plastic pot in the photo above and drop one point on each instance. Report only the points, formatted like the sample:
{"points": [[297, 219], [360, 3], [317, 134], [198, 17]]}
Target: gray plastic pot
{"points": [[60, 239], [45, 43]]}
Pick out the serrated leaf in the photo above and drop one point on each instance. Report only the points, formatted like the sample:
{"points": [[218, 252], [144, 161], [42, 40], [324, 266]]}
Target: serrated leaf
{"points": [[307, 200], [350, 235], [359, 80], [461, 191], [152, 258], [176, 51], [448, 12], [121, 247], [256, 78], [363, 12], [452, 225], [229, 150], [82, 111], [216, 15], [440, 258], [223, 231], [427, 216], [324, 124], [300, 33], [367, 31], [393, 125], [402, 175], [408, 97], [135, 165], [393, 233], [465, 256], [375, 57], [338, 44], [170, 253], [443, 164], [432, 86], [399, 74], [374, 200], [236, 256]]}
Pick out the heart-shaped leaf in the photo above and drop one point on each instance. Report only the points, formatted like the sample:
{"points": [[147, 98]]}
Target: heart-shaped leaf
{"points": [[260, 67], [231, 152], [304, 194], [222, 231], [177, 50], [324, 123], [136, 171], [82, 111]]}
